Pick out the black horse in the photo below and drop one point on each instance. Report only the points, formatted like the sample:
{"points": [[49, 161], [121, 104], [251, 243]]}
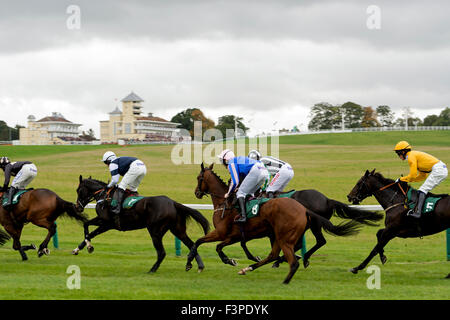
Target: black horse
{"points": [[3, 237], [325, 207], [392, 196], [158, 214]]}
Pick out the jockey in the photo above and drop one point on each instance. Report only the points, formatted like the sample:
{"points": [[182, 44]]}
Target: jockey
{"points": [[281, 172], [23, 171], [420, 165], [133, 171], [249, 173]]}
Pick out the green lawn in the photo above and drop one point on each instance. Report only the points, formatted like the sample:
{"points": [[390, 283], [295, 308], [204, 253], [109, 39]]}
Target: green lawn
{"points": [[118, 267]]}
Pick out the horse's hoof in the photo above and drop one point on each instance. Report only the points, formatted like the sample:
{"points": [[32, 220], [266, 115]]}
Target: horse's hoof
{"points": [[46, 251], [242, 272], [383, 259], [33, 247], [90, 249], [305, 263], [75, 251], [40, 254], [276, 265], [258, 258], [200, 270], [354, 270], [188, 267], [233, 262]]}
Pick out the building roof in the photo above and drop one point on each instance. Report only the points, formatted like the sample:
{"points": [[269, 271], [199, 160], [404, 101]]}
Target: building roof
{"points": [[54, 119], [116, 111], [152, 119], [132, 97]]}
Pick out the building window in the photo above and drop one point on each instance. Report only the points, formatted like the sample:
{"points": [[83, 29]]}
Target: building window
{"points": [[127, 127]]}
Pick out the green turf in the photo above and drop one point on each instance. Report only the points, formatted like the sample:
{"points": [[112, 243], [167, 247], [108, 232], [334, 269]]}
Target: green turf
{"points": [[118, 267]]}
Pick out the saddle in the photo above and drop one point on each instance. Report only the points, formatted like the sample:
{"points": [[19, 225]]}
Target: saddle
{"points": [[429, 204], [16, 197]]}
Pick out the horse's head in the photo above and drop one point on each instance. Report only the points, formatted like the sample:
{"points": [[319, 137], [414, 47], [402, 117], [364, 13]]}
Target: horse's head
{"points": [[86, 190], [363, 188], [208, 182], [202, 185]]}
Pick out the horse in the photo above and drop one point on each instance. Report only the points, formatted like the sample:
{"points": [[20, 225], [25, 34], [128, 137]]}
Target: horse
{"points": [[4, 237], [320, 204], [283, 219], [158, 214], [392, 195], [41, 207]]}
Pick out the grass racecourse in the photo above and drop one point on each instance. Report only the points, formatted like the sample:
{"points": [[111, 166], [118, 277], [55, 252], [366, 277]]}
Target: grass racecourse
{"points": [[117, 269]]}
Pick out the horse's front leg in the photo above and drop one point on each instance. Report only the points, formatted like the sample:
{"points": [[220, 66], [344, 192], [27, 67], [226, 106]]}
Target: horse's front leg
{"points": [[210, 237], [222, 255], [248, 253], [384, 236], [103, 226]]}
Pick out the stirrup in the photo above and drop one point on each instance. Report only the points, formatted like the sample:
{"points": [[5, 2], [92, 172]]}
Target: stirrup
{"points": [[414, 214]]}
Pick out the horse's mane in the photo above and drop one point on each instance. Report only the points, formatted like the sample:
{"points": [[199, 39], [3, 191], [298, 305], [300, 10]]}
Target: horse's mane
{"points": [[96, 181], [219, 178], [379, 176]]}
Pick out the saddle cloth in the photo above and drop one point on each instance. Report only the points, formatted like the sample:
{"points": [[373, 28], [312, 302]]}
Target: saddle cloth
{"points": [[428, 205], [15, 198], [253, 206], [131, 201]]}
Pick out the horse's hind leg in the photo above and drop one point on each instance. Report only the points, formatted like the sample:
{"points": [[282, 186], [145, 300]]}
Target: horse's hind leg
{"points": [[248, 253], [182, 235], [222, 255], [43, 246], [273, 255], [157, 235], [289, 253]]}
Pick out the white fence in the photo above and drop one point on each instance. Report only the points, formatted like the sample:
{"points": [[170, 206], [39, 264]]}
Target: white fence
{"points": [[210, 207]]}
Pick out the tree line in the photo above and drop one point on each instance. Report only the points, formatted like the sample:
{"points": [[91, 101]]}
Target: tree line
{"points": [[187, 117], [352, 115]]}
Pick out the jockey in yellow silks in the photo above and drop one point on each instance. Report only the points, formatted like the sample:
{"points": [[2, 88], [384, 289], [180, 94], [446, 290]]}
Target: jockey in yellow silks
{"points": [[422, 166]]}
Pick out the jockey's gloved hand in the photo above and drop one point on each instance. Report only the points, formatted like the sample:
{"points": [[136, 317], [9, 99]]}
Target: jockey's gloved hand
{"points": [[398, 180]]}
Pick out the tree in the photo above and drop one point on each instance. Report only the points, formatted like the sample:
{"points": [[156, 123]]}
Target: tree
{"points": [[430, 120], [8, 133], [444, 118], [228, 122], [324, 116], [353, 114], [385, 116], [369, 118], [187, 117]]}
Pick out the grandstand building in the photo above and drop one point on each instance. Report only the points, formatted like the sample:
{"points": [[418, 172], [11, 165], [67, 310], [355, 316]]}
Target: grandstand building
{"points": [[54, 129], [132, 126]]}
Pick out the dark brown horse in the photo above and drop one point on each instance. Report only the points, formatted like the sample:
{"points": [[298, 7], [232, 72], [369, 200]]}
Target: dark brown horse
{"points": [[283, 219], [391, 196], [41, 207], [158, 214]]}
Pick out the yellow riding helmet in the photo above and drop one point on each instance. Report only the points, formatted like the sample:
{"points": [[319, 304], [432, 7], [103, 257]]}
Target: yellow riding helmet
{"points": [[402, 145]]}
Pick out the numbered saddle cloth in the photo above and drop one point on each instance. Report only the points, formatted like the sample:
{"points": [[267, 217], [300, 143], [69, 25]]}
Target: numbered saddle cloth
{"points": [[131, 201], [428, 205], [252, 206], [15, 198]]}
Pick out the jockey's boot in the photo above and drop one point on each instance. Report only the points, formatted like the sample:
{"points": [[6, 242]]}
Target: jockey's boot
{"points": [[270, 195], [416, 213], [11, 193], [243, 217], [117, 198]]}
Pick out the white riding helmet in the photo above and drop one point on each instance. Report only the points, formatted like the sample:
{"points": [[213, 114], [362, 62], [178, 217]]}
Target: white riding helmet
{"points": [[226, 155], [109, 156], [254, 154]]}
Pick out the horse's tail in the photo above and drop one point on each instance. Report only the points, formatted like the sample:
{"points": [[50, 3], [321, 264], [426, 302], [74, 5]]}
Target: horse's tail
{"points": [[3, 237], [343, 229], [196, 215], [70, 210], [362, 216]]}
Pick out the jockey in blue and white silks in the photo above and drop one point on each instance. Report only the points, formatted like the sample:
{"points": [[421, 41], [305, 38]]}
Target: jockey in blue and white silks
{"points": [[133, 171], [281, 172], [246, 173]]}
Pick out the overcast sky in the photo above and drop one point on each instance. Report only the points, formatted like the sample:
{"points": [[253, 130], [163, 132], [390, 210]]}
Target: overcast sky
{"points": [[267, 61]]}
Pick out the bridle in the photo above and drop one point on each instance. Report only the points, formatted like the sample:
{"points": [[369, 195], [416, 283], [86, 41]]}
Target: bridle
{"points": [[370, 193], [97, 195], [203, 193]]}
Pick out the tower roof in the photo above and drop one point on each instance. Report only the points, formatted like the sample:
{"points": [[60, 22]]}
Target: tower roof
{"points": [[116, 111], [132, 97]]}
